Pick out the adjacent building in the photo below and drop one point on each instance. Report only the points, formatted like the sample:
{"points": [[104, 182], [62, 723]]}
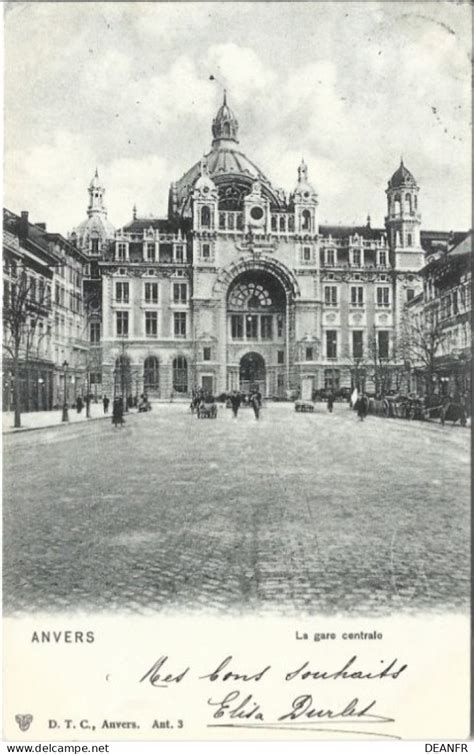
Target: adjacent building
{"points": [[28, 270], [43, 311], [441, 317]]}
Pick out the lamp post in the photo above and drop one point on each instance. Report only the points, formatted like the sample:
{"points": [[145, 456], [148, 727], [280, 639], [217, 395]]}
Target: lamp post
{"points": [[88, 393], [40, 394], [65, 416]]}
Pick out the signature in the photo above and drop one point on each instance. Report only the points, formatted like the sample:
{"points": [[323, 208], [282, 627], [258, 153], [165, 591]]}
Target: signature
{"points": [[236, 710]]}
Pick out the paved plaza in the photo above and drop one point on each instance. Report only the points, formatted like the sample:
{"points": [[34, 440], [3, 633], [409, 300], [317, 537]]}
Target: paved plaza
{"points": [[297, 513]]}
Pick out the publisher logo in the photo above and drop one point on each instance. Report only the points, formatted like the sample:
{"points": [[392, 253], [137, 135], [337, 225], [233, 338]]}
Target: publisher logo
{"points": [[24, 721]]}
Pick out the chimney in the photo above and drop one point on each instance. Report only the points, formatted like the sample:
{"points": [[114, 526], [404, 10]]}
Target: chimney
{"points": [[23, 226]]}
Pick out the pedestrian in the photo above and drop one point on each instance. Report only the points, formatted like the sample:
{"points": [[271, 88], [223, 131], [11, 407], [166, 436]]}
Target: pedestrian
{"points": [[79, 404], [330, 402], [235, 400], [256, 403], [117, 412], [362, 406], [105, 402]]}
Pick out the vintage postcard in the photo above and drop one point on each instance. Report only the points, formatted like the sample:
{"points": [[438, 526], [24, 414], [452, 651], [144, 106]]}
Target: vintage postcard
{"points": [[237, 256]]}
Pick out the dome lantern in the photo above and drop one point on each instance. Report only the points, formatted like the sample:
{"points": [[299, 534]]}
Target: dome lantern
{"points": [[225, 126], [96, 230]]}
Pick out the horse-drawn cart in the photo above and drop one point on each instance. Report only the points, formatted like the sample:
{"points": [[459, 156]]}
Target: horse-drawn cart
{"points": [[428, 408], [207, 410]]}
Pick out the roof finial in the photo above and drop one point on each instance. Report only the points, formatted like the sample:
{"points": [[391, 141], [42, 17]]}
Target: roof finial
{"points": [[302, 171], [368, 220], [96, 172], [134, 211], [401, 160], [225, 96]]}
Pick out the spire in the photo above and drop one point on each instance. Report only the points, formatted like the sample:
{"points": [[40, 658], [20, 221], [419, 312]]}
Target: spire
{"points": [[225, 126], [368, 220], [95, 182]]}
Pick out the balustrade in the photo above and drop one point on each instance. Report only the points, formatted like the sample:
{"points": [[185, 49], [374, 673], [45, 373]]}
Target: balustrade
{"points": [[231, 222]]}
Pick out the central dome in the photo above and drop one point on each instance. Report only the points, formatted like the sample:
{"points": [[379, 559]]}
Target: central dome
{"points": [[226, 165]]}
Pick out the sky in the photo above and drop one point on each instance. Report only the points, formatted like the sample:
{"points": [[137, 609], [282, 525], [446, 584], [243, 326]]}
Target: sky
{"points": [[348, 86]]}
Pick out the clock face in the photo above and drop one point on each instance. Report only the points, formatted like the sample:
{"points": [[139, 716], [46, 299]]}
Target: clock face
{"points": [[256, 213]]}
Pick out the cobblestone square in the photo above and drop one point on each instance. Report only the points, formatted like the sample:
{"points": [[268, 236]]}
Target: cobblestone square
{"points": [[297, 513]]}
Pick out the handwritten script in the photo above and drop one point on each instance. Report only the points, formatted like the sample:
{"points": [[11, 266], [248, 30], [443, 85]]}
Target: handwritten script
{"points": [[233, 694]]}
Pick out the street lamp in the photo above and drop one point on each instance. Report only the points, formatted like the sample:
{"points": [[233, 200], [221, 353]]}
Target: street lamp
{"points": [[40, 393], [65, 416]]}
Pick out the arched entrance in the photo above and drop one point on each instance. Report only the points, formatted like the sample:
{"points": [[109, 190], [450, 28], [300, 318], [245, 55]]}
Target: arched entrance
{"points": [[252, 373], [257, 326]]}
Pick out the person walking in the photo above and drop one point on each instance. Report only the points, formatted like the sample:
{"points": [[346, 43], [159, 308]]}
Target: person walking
{"points": [[330, 402], [235, 401], [79, 404], [105, 402], [117, 412], [362, 406], [256, 403]]}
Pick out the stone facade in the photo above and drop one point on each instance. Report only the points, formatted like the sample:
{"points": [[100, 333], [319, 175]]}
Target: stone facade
{"points": [[47, 271], [444, 310], [241, 284]]}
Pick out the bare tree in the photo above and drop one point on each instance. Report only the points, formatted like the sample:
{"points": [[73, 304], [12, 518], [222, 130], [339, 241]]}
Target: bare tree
{"points": [[384, 368], [421, 338], [26, 306]]}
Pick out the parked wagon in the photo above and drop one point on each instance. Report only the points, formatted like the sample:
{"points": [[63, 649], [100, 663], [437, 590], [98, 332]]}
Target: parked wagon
{"points": [[304, 406]]}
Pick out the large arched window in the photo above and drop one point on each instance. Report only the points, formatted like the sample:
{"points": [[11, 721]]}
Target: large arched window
{"points": [[408, 203], [397, 205], [205, 217], [151, 374], [306, 220], [251, 295], [180, 375], [256, 307]]}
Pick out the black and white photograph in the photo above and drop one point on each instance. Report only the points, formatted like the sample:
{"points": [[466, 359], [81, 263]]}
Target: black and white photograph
{"points": [[237, 252]]}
